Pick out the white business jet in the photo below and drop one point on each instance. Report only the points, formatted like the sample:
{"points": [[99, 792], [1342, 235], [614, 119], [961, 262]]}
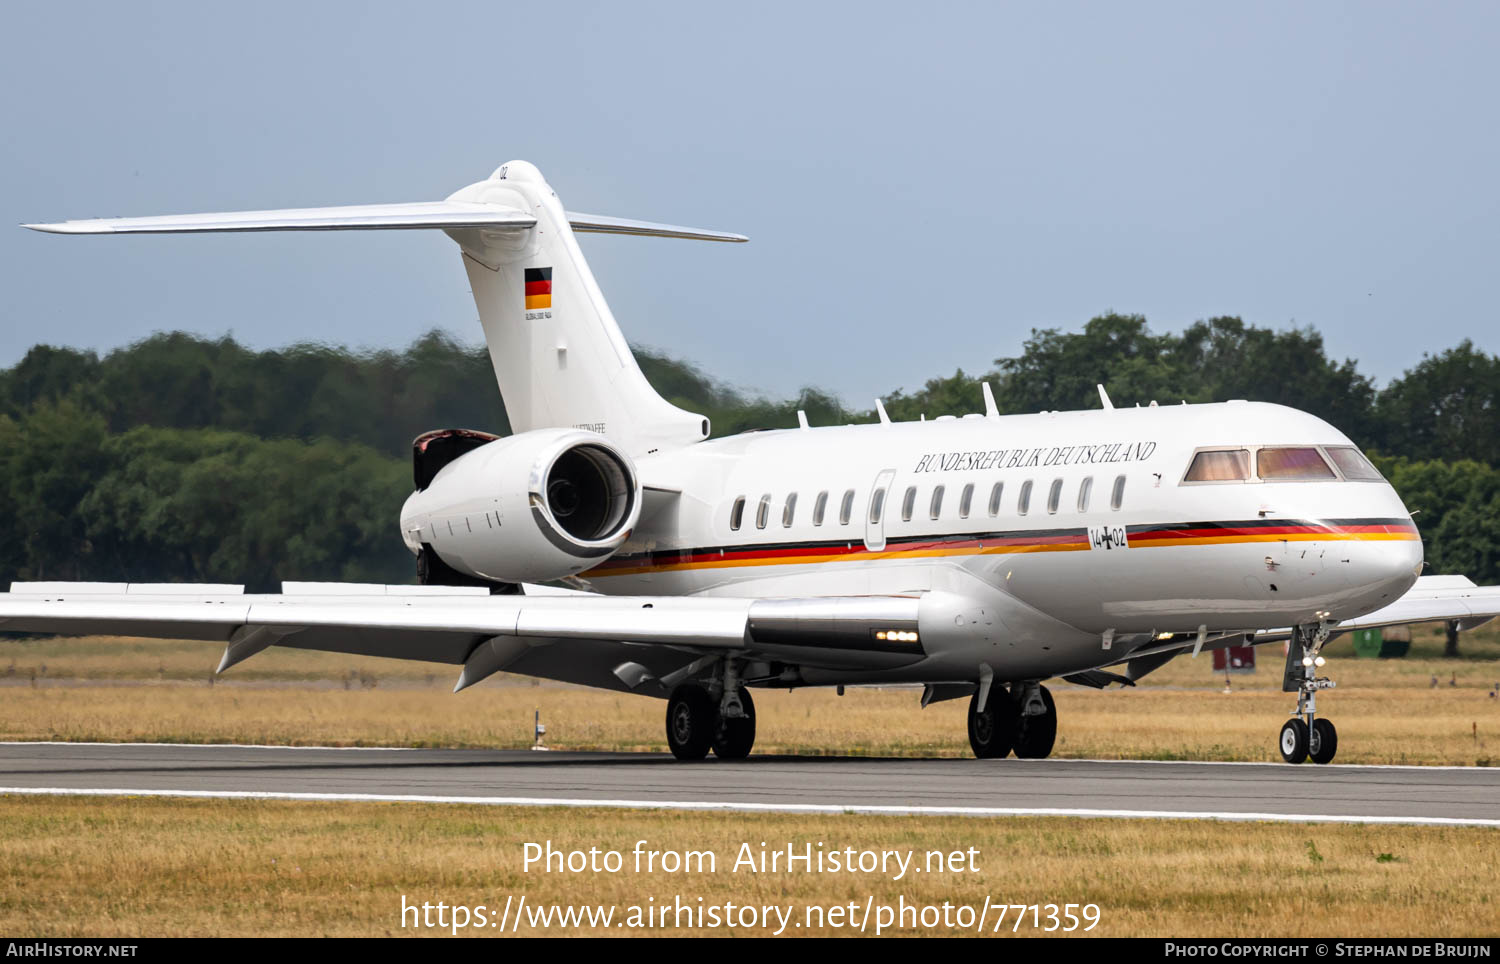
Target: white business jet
{"points": [[977, 556]]}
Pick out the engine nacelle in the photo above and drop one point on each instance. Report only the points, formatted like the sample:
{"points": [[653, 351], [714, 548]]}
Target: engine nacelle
{"points": [[528, 508]]}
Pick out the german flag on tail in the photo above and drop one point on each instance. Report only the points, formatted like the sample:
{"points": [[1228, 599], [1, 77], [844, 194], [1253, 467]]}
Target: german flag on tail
{"points": [[538, 288]]}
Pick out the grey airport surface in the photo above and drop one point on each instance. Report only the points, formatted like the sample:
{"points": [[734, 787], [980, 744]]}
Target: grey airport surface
{"points": [[1433, 795]]}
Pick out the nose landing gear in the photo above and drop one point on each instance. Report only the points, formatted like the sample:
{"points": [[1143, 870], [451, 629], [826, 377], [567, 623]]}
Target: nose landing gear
{"points": [[1305, 736]]}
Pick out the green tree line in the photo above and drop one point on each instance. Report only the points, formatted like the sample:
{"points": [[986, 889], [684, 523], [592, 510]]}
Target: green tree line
{"points": [[186, 458]]}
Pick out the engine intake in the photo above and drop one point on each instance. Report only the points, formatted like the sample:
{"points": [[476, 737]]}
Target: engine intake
{"points": [[531, 507], [585, 495]]}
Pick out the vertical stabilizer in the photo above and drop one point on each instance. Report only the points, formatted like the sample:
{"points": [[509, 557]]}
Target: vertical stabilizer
{"points": [[559, 356]]}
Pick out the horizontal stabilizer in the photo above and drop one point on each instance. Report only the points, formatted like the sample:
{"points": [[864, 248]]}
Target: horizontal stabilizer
{"points": [[599, 224], [451, 215], [361, 217]]}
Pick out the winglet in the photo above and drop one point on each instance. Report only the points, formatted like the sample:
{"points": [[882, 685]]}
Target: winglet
{"points": [[1104, 399], [880, 410], [991, 410]]}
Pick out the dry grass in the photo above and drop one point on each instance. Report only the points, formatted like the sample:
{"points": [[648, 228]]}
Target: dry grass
{"points": [[145, 690], [155, 867], [77, 867], [1376, 725], [116, 658]]}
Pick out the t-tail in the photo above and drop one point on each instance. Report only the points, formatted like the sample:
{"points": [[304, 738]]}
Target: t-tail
{"points": [[558, 354]]}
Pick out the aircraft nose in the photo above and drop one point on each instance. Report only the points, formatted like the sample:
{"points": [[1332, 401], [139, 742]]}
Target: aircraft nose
{"points": [[1390, 567]]}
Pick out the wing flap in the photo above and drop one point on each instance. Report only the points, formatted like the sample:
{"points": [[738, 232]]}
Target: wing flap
{"points": [[423, 623], [709, 623]]}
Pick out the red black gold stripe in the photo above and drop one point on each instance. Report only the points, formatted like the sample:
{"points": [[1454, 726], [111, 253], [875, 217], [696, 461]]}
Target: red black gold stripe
{"points": [[538, 288], [971, 544], [1270, 530]]}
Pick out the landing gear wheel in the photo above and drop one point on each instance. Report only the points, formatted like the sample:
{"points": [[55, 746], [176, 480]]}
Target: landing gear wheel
{"points": [[1322, 741], [993, 731], [1294, 738], [1035, 735], [1306, 734], [733, 738], [691, 719]]}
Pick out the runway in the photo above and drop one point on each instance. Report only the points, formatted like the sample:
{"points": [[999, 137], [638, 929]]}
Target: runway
{"points": [[1089, 788]]}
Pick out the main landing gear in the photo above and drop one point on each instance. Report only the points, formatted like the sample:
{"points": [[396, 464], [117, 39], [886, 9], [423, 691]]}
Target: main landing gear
{"points": [[1305, 736], [1022, 719], [698, 722]]}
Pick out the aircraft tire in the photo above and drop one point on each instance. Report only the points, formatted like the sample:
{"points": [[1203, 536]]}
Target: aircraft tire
{"points": [[992, 732], [691, 719], [1293, 742], [1036, 735], [733, 739], [1322, 741]]}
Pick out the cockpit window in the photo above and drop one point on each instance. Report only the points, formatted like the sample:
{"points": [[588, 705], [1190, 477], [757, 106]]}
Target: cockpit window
{"points": [[1223, 465], [1292, 463], [1352, 462]]}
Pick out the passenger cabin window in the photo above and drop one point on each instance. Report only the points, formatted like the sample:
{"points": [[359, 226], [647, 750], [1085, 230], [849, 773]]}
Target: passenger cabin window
{"points": [[1023, 504], [763, 511], [965, 500], [877, 506], [1085, 489], [936, 508], [789, 511], [1352, 462], [908, 504], [1294, 464], [1054, 497], [737, 514], [1222, 465], [820, 506], [846, 508], [1117, 496], [995, 493]]}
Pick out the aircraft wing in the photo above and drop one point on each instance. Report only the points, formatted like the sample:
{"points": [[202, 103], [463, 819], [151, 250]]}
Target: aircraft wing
{"points": [[620, 642], [1433, 598]]}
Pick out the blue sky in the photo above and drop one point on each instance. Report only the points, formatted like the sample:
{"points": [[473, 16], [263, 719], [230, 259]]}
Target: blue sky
{"points": [[922, 184]]}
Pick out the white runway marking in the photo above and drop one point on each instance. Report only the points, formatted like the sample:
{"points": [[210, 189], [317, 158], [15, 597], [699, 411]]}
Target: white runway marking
{"points": [[1329, 766], [819, 808], [1332, 767], [225, 746]]}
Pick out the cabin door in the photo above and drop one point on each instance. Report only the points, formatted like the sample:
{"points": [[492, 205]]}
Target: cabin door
{"points": [[875, 513]]}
